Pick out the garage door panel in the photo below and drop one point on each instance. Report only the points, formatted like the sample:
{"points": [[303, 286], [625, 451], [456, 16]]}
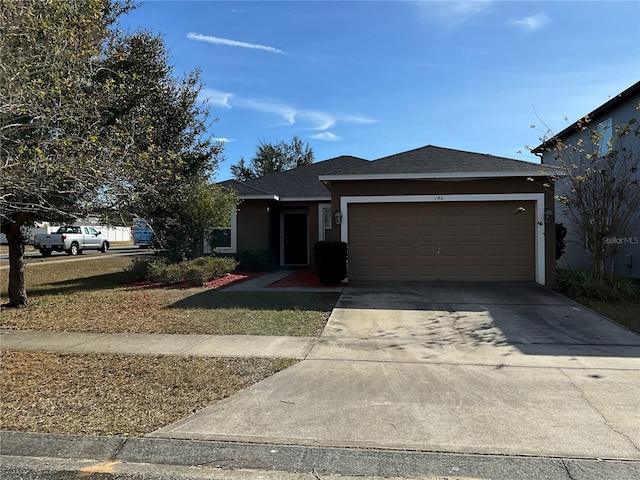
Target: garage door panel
{"points": [[448, 241]]}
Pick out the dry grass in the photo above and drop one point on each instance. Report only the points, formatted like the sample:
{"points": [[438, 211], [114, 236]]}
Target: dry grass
{"points": [[116, 394], [93, 296]]}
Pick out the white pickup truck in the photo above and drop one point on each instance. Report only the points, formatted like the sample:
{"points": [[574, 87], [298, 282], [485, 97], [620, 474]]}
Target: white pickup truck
{"points": [[72, 239]]}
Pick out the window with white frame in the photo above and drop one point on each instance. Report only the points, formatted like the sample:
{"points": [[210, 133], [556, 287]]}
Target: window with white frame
{"points": [[225, 238], [325, 222]]}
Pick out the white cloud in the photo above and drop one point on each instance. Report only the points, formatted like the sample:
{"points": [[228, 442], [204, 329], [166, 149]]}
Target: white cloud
{"points": [[288, 114], [216, 97], [530, 23], [232, 43], [327, 136], [357, 119], [223, 139], [454, 13], [317, 120]]}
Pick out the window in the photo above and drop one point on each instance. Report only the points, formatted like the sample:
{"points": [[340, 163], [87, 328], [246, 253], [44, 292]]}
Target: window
{"points": [[325, 221], [222, 237], [225, 238], [605, 133]]}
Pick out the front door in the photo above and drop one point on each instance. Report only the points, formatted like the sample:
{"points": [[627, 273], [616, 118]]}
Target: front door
{"points": [[294, 239]]}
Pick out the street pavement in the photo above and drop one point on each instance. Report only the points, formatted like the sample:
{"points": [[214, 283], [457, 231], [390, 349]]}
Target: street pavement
{"points": [[410, 380]]}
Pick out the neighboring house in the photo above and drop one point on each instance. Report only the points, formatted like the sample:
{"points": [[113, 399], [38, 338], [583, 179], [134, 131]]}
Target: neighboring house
{"points": [[427, 214], [618, 111]]}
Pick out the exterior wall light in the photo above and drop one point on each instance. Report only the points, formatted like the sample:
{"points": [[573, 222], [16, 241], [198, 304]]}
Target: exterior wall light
{"points": [[548, 215], [338, 217]]}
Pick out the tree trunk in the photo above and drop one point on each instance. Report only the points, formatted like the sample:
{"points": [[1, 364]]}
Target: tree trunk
{"points": [[17, 290], [598, 265]]}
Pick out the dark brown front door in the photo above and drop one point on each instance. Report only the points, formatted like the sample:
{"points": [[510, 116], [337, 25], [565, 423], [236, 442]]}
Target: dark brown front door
{"points": [[294, 238]]}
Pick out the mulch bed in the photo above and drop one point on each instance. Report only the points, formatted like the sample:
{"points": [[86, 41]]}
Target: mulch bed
{"points": [[304, 278], [218, 283], [300, 279]]}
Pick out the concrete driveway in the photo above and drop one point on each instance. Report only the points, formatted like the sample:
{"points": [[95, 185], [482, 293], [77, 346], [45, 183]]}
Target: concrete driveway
{"points": [[509, 369]]}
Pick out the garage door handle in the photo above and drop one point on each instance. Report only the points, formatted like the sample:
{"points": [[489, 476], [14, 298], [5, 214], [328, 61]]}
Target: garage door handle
{"points": [[438, 250]]}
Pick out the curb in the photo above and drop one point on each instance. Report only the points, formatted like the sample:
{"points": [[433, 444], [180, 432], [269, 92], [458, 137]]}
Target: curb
{"points": [[326, 460]]}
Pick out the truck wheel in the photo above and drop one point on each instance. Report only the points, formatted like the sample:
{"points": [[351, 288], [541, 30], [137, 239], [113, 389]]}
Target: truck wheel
{"points": [[105, 247], [74, 249], [45, 252]]}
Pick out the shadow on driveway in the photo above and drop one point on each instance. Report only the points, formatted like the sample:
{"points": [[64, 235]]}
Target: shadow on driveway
{"points": [[534, 319]]}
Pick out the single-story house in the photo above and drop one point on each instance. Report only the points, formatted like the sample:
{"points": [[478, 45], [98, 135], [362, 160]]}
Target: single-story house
{"points": [[427, 214]]}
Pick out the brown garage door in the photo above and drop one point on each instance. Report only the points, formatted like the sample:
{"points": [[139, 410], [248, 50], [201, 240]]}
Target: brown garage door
{"points": [[469, 241]]}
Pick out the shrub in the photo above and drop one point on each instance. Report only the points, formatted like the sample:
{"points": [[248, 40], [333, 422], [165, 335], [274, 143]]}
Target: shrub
{"points": [[197, 271], [583, 284], [331, 261], [139, 268], [561, 243], [254, 260], [157, 271]]}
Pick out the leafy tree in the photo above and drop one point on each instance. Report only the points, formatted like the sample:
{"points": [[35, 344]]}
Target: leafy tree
{"points": [[49, 120], [600, 188], [272, 158], [191, 214], [91, 119], [154, 120]]}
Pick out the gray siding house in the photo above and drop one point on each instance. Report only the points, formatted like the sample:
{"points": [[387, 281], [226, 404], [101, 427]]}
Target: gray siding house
{"points": [[622, 109]]}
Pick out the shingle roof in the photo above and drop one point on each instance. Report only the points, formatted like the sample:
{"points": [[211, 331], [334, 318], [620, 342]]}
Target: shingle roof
{"points": [[243, 189], [300, 182], [438, 162]]}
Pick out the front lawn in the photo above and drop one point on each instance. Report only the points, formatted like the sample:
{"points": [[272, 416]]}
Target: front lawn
{"points": [[123, 395], [94, 296]]}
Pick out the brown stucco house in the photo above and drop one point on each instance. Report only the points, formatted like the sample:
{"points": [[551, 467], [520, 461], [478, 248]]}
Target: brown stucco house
{"points": [[427, 214], [285, 213]]}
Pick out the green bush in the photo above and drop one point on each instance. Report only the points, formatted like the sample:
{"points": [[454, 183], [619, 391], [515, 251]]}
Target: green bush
{"points": [[197, 271], [561, 243], [139, 268], [331, 261], [583, 284], [254, 261]]}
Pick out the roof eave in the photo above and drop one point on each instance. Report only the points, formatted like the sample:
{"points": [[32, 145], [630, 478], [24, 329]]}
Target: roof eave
{"points": [[546, 171], [305, 199], [258, 197]]}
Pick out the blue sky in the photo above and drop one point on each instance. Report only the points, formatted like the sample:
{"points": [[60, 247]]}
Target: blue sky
{"points": [[374, 78]]}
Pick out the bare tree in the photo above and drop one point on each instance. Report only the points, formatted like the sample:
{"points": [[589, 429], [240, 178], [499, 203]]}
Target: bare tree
{"points": [[600, 189]]}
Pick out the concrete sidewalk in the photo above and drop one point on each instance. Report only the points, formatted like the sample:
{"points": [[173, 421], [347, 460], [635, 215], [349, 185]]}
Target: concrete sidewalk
{"points": [[157, 344]]}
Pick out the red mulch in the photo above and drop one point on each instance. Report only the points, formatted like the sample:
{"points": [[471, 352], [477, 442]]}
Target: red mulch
{"points": [[230, 279], [303, 278]]}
